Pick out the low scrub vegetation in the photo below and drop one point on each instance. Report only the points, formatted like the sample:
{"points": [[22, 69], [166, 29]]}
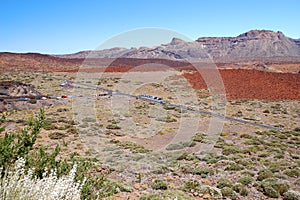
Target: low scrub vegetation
{"points": [[28, 172]]}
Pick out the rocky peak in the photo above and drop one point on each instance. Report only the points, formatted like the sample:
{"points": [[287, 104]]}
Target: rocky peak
{"points": [[176, 41], [254, 43], [262, 34]]}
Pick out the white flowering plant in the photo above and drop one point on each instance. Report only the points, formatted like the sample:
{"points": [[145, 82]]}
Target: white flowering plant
{"points": [[17, 184]]}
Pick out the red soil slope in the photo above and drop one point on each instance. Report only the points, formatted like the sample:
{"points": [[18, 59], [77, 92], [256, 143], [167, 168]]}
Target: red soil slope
{"points": [[239, 83], [253, 84]]}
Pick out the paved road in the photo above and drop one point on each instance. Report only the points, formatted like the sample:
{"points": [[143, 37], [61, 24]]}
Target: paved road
{"points": [[112, 92]]}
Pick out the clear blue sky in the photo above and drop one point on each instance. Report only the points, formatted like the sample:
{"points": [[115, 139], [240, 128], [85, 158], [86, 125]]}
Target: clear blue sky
{"points": [[67, 26]]}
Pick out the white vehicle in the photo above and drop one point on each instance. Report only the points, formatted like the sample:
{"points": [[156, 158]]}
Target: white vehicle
{"points": [[151, 98], [66, 83]]}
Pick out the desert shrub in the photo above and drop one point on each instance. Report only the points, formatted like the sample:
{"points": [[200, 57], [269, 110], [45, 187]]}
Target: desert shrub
{"points": [[233, 167], [211, 158], [223, 134], [73, 131], [133, 147], [297, 129], [109, 187], [254, 141], [169, 107], [187, 169], [191, 185], [49, 126], [292, 173], [65, 127], [14, 145], [240, 188], [263, 174], [160, 170], [113, 126], [194, 186], [44, 162], [84, 125], [224, 183], [273, 188], [158, 184], [151, 197], [56, 135], [167, 119], [88, 119], [215, 193], [186, 156], [266, 111], [179, 195], [62, 110], [180, 145], [199, 137], [170, 119], [227, 150], [203, 172], [291, 195], [270, 192], [245, 180], [246, 135], [33, 101], [228, 192]]}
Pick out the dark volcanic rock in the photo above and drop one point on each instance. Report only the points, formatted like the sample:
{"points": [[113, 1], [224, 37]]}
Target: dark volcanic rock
{"points": [[12, 89]]}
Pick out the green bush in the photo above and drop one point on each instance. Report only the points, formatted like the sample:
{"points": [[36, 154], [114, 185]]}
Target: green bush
{"points": [[291, 195], [180, 145], [133, 147], [224, 183], [292, 173], [245, 180], [88, 119], [151, 197], [228, 192], [33, 101], [203, 172], [263, 174], [227, 150], [234, 167], [271, 187], [57, 135], [199, 137], [168, 194], [14, 145], [191, 185], [158, 184], [113, 126], [240, 188]]}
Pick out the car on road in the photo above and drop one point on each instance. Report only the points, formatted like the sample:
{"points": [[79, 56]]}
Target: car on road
{"points": [[151, 98]]}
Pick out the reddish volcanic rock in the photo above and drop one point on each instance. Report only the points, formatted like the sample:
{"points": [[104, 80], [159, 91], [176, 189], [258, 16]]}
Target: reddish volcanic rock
{"points": [[253, 84]]}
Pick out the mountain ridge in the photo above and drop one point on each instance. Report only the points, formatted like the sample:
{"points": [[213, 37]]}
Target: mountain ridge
{"points": [[254, 43], [255, 49]]}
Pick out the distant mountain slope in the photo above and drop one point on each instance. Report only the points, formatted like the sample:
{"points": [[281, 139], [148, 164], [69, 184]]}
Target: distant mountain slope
{"points": [[255, 43], [256, 49]]}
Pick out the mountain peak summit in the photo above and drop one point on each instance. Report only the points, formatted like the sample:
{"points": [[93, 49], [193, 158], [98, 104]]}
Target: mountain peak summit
{"points": [[262, 34], [176, 41]]}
